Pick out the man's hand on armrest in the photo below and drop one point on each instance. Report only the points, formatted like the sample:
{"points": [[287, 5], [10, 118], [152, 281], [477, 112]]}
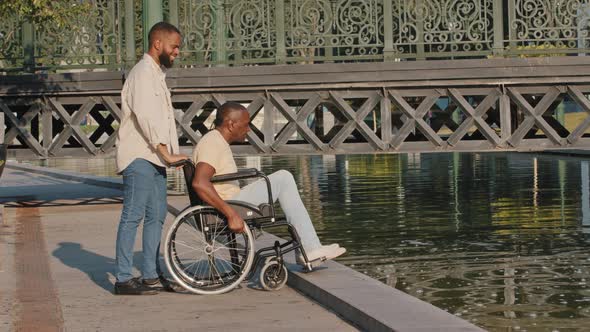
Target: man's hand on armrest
{"points": [[162, 150], [204, 188]]}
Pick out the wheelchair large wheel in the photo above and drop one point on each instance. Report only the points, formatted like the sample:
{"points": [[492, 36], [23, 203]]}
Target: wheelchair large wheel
{"points": [[203, 255]]}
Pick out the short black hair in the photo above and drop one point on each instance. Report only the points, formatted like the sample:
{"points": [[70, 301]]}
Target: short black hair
{"points": [[161, 27], [224, 110]]}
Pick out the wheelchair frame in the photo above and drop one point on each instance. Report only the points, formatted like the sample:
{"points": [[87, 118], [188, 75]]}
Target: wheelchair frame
{"points": [[273, 274]]}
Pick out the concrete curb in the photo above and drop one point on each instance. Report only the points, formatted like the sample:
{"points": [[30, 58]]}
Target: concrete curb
{"points": [[357, 298]]}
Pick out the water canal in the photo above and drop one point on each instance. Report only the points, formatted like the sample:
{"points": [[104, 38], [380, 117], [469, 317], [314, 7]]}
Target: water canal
{"points": [[500, 239]]}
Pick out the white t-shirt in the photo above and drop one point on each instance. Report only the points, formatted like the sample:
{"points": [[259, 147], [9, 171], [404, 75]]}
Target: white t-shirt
{"points": [[214, 150]]}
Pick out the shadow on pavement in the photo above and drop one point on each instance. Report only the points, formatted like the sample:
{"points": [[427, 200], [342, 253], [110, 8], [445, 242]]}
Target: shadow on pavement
{"points": [[97, 267]]}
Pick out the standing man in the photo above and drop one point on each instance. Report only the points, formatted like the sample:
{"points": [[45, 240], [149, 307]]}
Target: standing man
{"points": [[146, 144]]}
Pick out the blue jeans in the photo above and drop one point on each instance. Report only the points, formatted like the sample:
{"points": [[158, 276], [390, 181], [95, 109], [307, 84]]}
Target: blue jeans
{"points": [[144, 195], [284, 189]]}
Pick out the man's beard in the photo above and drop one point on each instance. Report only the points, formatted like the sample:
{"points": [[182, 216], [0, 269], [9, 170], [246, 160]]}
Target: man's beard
{"points": [[165, 60]]}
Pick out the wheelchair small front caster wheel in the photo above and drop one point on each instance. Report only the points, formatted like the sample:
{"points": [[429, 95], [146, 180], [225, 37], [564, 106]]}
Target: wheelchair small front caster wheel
{"points": [[273, 276]]}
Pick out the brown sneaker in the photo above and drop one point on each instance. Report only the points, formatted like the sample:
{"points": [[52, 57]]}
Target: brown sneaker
{"points": [[162, 283], [133, 287]]}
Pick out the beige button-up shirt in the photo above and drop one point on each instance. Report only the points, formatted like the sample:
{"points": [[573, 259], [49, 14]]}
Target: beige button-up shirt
{"points": [[148, 115]]}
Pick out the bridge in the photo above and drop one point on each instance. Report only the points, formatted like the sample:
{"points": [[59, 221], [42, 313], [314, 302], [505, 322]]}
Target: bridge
{"points": [[464, 78]]}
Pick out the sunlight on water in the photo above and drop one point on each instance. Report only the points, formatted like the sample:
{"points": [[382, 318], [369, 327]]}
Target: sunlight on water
{"points": [[498, 239]]}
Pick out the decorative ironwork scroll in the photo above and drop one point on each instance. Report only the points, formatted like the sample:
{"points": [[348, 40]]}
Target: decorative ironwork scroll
{"points": [[326, 30], [11, 47], [548, 26], [442, 28], [251, 34], [94, 39], [197, 22]]}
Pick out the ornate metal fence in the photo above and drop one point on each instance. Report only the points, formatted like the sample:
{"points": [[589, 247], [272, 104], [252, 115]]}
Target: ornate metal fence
{"points": [[447, 28], [238, 32], [92, 40], [11, 53], [547, 26]]}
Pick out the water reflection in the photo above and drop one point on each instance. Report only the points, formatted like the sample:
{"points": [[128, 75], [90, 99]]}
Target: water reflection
{"points": [[498, 239]]}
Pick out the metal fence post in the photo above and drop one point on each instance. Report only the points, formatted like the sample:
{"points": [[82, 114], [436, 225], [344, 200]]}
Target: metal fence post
{"points": [[173, 14], [2, 127], [583, 14], [388, 51], [511, 29], [498, 17], [29, 46], [129, 33], [219, 8], [420, 31], [281, 54], [152, 14]]}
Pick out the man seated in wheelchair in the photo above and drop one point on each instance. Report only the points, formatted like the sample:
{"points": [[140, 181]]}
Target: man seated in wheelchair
{"points": [[213, 156]]}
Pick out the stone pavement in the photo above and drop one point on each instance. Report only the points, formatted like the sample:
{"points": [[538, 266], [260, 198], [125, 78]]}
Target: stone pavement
{"points": [[56, 273]]}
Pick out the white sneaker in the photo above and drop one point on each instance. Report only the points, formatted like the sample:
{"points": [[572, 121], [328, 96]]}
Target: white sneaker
{"points": [[326, 253], [323, 249]]}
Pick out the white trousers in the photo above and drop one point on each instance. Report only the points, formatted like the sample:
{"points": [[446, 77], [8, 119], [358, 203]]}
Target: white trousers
{"points": [[285, 190]]}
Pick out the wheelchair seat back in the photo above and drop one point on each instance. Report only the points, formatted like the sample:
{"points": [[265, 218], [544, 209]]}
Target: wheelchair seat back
{"points": [[189, 173]]}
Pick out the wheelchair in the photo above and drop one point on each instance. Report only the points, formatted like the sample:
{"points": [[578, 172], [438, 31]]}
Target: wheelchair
{"points": [[205, 257]]}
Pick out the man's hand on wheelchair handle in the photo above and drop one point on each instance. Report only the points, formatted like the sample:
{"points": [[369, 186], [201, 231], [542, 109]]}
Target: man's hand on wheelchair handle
{"points": [[169, 158]]}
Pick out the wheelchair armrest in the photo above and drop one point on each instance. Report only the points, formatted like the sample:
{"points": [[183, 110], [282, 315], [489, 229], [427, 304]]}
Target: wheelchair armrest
{"points": [[241, 174]]}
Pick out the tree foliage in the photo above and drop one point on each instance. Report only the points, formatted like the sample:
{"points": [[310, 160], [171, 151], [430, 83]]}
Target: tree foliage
{"points": [[55, 12]]}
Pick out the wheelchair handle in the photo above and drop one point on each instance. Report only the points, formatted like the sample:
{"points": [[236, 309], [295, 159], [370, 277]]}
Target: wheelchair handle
{"points": [[182, 162]]}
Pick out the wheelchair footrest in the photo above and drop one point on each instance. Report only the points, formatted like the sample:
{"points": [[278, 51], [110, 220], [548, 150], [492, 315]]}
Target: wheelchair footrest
{"points": [[309, 266]]}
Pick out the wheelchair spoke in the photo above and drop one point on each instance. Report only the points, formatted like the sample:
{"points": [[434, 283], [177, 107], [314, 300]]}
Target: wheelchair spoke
{"points": [[186, 245], [228, 248], [217, 271], [230, 267], [194, 229], [220, 232], [189, 267], [199, 265], [231, 263], [215, 233]]}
